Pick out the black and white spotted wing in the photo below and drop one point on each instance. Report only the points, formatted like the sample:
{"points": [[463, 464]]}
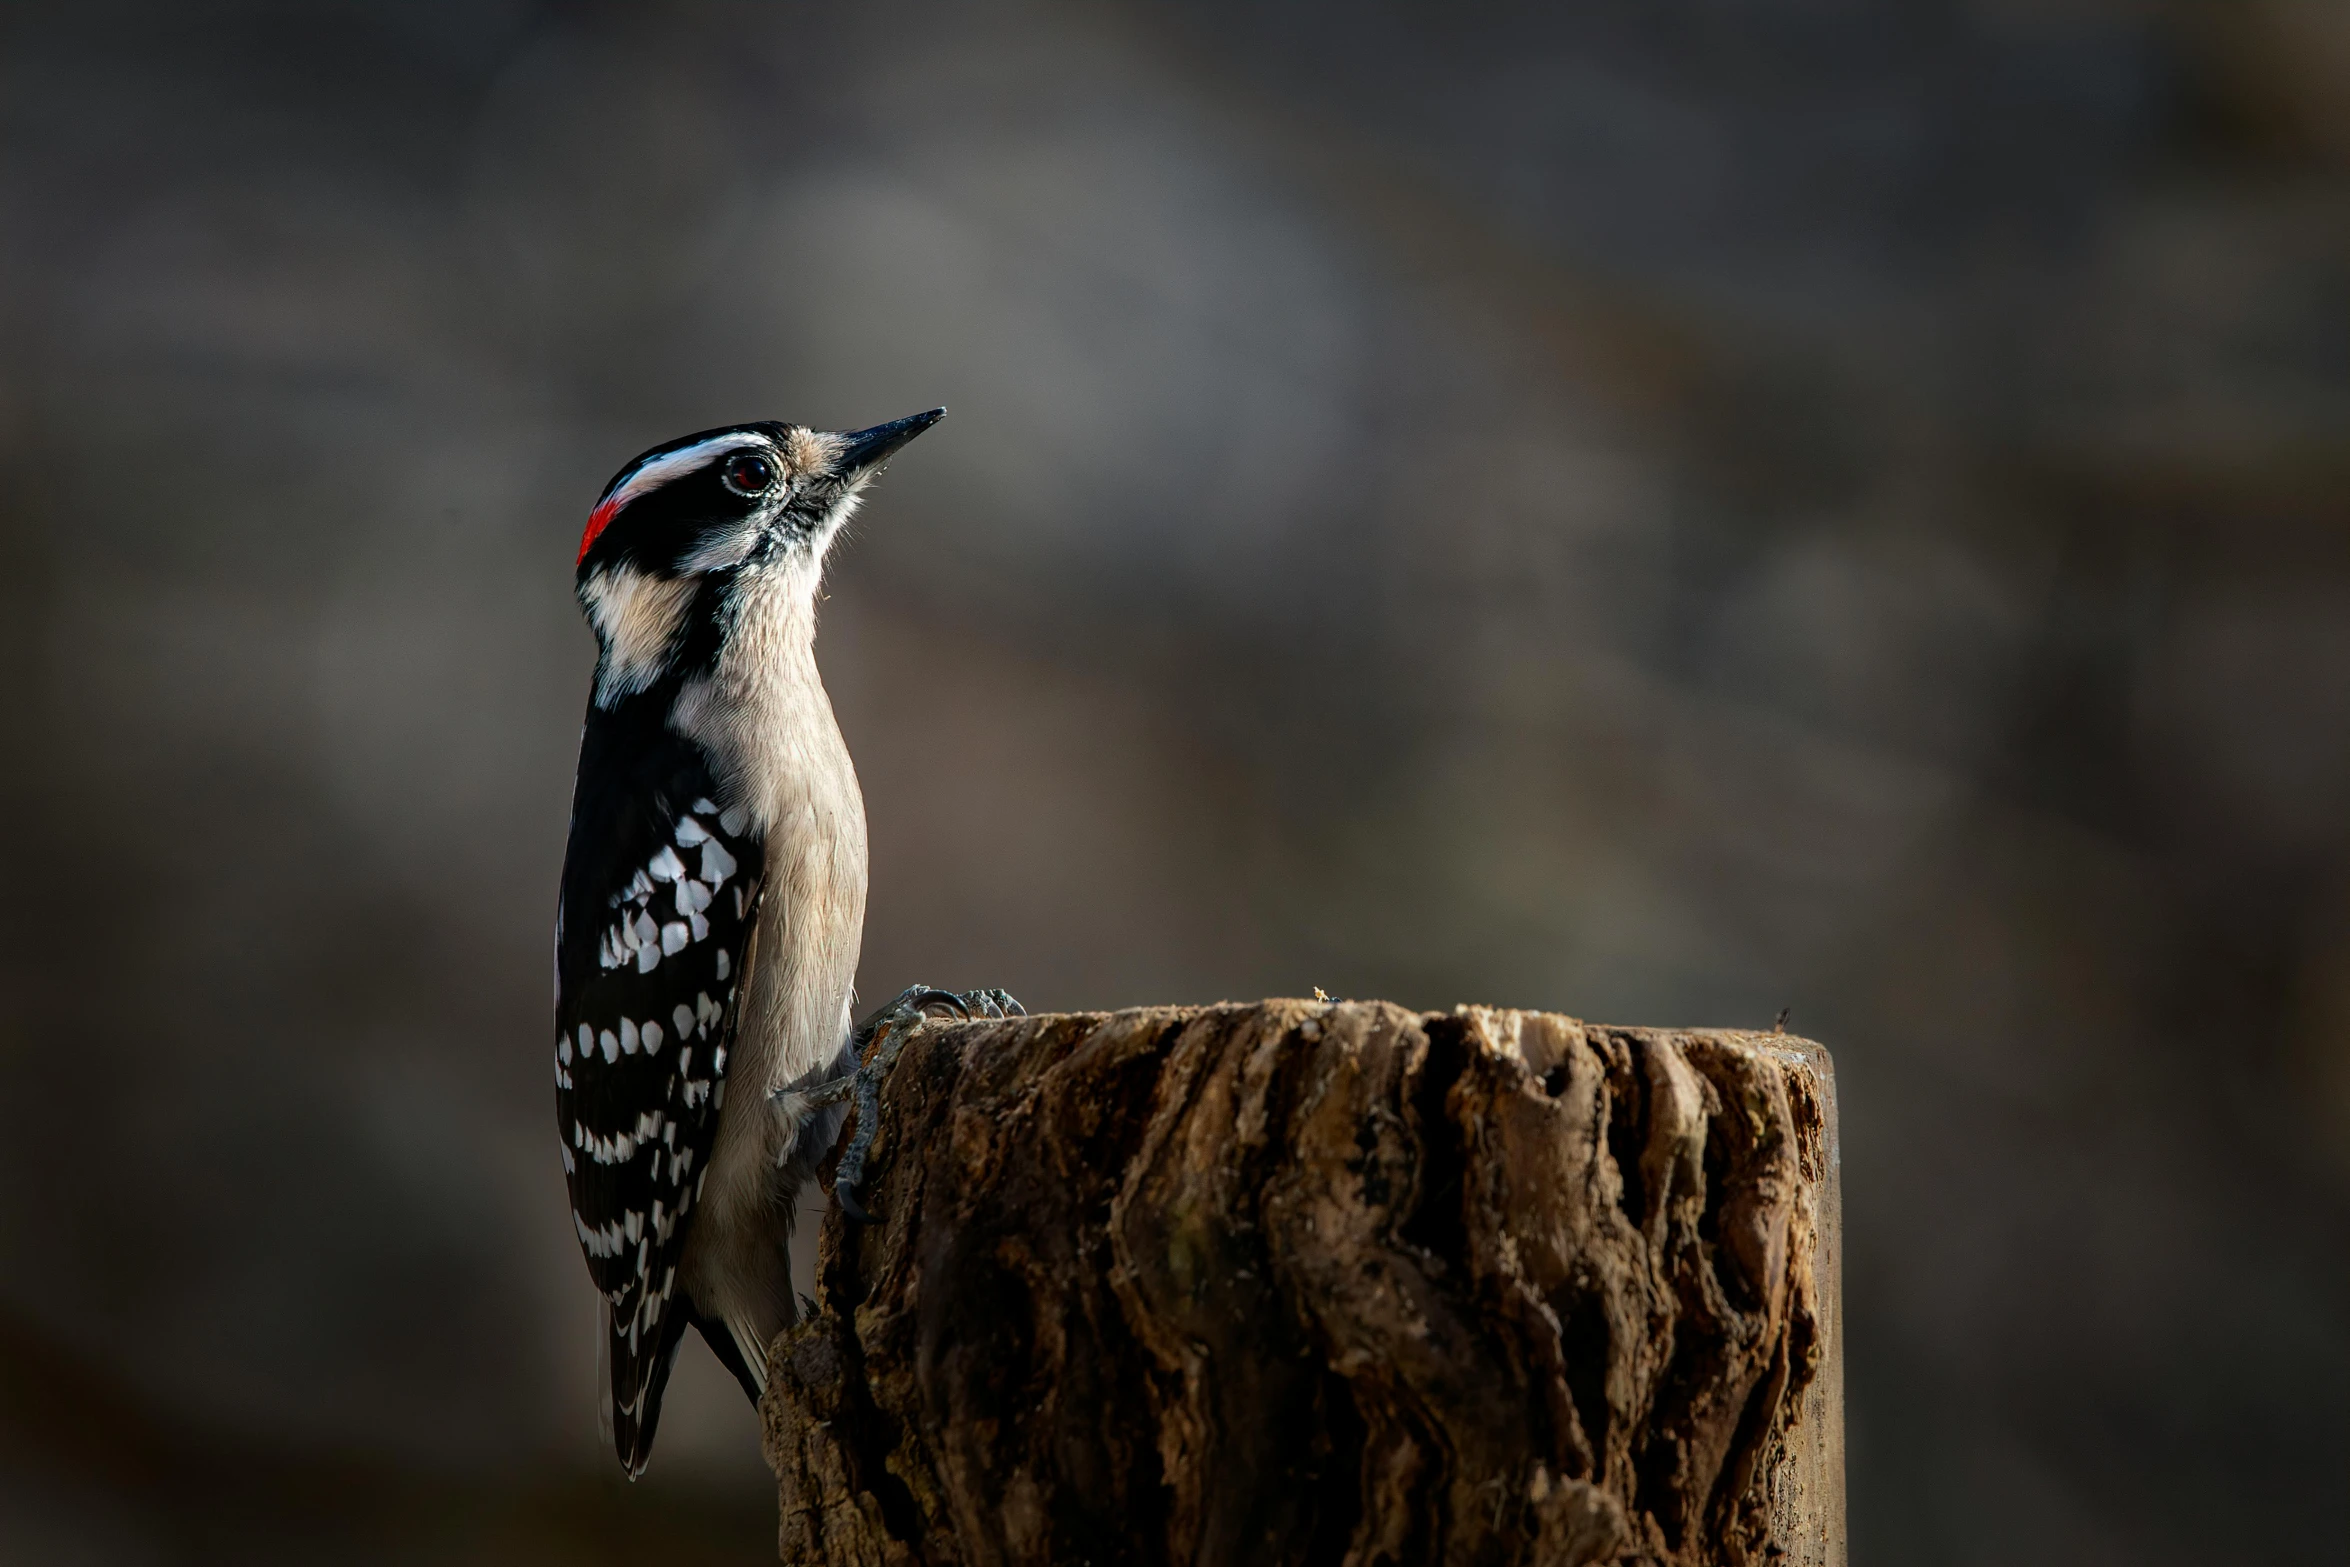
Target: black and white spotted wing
{"points": [[660, 892]]}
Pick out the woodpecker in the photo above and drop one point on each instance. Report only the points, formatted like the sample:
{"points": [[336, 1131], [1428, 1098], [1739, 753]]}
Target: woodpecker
{"points": [[713, 900]]}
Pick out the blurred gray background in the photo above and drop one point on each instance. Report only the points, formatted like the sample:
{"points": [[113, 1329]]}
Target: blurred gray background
{"points": [[1659, 509]]}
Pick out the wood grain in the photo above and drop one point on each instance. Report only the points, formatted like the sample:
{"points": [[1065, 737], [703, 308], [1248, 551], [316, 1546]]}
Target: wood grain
{"points": [[1327, 1282]]}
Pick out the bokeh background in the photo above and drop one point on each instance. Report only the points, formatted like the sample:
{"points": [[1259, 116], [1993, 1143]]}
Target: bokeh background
{"points": [[1659, 509]]}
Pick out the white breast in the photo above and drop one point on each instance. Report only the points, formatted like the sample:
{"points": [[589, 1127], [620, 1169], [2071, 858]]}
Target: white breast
{"points": [[766, 721]]}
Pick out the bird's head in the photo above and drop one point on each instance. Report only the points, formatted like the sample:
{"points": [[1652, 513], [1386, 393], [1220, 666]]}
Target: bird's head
{"points": [[679, 529]]}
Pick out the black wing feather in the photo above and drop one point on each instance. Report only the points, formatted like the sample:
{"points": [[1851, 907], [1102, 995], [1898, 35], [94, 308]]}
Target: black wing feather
{"points": [[660, 891]]}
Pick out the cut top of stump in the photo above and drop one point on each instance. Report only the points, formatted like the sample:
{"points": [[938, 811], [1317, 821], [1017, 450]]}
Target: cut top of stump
{"points": [[1327, 1281]]}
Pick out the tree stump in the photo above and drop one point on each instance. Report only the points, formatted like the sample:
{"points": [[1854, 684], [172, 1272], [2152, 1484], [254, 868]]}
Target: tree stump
{"points": [[1327, 1282]]}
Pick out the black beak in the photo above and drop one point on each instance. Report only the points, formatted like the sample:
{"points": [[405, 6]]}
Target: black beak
{"points": [[864, 451]]}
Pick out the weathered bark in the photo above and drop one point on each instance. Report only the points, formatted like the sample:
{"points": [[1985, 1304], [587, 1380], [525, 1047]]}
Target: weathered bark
{"points": [[1326, 1282]]}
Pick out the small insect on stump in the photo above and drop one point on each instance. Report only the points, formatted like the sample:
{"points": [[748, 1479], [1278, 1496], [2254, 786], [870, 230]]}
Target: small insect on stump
{"points": [[1327, 1282]]}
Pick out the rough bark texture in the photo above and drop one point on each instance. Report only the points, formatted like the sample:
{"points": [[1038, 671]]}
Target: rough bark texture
{"points": [[1324, 1282]]}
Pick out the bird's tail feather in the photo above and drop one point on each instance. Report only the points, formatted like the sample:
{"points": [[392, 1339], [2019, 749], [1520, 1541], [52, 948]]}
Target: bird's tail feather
{"points": [[604, 1372], [634, 1377], [736, 1344]]}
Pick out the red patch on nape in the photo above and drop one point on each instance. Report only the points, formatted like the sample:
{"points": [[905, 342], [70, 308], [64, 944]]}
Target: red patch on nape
{"points": [[598, 521]]}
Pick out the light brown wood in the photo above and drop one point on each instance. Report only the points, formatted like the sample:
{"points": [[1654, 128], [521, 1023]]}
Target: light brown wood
{"points": [[1327, 1282]]}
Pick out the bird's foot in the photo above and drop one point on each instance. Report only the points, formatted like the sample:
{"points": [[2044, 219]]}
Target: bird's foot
{"points": [[876, 1044]]}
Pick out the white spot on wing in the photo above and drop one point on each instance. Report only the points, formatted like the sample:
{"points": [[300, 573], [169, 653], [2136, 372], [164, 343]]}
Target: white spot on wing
{"points": [[717, 864], [653, 1037], [673, 937], [724, 963], [628, 1037], [611, 1043]]}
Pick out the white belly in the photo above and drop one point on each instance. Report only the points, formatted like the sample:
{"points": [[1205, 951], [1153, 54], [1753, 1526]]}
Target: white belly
{"points": [[792, 1029]]}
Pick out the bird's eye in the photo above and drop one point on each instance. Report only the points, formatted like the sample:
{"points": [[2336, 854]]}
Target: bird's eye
{"points": [[747, 473]]}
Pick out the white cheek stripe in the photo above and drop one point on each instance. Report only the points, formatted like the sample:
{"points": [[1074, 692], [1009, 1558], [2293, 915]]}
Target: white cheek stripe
{"points": [[636, 617]]}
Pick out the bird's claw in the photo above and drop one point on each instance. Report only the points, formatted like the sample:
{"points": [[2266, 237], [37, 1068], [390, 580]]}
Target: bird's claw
{"points": [[876, 1044], [994, 1001]]}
